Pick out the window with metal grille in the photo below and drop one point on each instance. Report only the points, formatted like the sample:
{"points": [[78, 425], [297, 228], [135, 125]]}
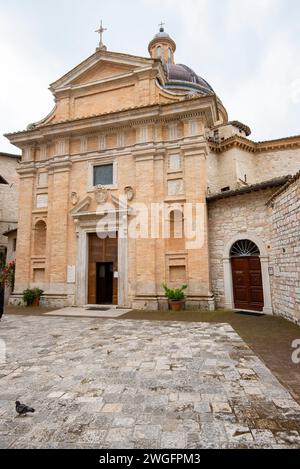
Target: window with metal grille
{"points": [[244, 248]]}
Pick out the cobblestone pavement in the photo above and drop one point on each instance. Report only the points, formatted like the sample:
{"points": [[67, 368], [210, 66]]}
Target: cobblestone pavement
{"points": [[138, 384]]}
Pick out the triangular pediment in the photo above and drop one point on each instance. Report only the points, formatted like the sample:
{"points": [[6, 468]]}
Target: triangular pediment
{"points": [[101, 66], [81, 207], [101, 71]]}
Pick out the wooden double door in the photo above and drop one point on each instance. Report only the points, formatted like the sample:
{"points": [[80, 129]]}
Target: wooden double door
{"points": [[103, 263], [247, 283]]}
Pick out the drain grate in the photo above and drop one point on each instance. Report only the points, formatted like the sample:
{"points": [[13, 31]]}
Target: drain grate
{"points": [[97, 309]]}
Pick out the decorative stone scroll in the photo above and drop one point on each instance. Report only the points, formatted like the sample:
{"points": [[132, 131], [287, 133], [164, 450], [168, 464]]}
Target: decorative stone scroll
{"points": [[101, 194], [74, 198], [129, 192]]}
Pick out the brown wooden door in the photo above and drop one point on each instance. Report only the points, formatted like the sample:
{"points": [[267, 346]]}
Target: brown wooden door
{"points": [[247, 283], [102, 284]]}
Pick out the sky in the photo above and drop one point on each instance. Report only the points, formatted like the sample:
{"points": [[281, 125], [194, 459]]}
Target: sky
{"points": [[248, 50]]}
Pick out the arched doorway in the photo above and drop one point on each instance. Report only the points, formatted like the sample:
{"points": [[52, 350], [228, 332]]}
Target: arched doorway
{"points": [[247, 279]]}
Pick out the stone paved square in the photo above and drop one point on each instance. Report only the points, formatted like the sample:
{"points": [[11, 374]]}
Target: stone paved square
{"points": [[110, 383]]}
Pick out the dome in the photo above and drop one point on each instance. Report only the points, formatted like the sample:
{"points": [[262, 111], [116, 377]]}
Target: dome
{"points": [[162, 34], [181, 76]]}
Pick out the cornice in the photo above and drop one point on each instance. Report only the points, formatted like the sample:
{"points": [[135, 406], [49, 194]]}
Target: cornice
{"points": [[10, 155], [26, 170], [237, 141], [279, 144], [232, 142], [282, 189], [132, 117], [194, 147], [60, 166], [145, 151]]}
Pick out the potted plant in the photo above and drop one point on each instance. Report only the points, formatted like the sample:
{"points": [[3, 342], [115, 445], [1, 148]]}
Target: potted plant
{"points": [[176, 297], [37, 296], [31, 297], [28, 297]]}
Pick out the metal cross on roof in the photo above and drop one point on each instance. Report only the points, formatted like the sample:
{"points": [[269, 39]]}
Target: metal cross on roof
{"points": [[100, 31], [161, 26]]}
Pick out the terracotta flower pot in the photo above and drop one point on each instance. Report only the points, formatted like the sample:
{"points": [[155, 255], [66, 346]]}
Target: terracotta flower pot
{"points": [[176, 305], [36, 302]]}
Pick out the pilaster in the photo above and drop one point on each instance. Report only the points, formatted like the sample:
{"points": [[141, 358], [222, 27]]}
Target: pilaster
{"points": [[27, 175]]}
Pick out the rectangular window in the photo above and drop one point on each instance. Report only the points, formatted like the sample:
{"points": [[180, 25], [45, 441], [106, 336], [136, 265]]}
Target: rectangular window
{"points": [[103, 175], [2, 180]]}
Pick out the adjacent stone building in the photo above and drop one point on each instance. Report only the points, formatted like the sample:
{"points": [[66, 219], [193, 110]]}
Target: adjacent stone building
{"points": [[129, 132], [285, 249], [8, 198]]}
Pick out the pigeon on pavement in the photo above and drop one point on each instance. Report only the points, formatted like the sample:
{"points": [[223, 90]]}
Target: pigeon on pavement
{"points": [[23, 409]]}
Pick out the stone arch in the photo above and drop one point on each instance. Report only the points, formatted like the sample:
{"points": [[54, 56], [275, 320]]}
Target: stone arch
{"points": [[264, 259], [40, 235], [176, 239], [247, 235]]}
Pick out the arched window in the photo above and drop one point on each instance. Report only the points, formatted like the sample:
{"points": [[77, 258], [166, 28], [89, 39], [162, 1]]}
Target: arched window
{"points": [[158, 52], [177, 240], [169, 55], [244, 248], [40, 232]]}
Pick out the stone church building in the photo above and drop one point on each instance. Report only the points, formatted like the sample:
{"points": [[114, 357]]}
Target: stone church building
{"points": [[128, 130]]}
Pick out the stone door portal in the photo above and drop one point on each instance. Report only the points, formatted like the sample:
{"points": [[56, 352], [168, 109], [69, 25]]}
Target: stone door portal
{"points": [[102, 263], [247, 276]]}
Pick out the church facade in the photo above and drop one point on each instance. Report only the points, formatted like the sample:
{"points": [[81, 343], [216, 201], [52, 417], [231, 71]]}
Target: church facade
{"points": [[130, 135]]}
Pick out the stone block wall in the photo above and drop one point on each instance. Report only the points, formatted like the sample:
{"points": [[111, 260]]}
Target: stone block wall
{"points": [[8, 196], [285, 234], [231, 167], [232, 216], [276, 163]]}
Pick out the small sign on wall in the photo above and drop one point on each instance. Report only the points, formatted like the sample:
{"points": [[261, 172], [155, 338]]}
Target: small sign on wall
{"points": [[42, 201], [116, 274]]}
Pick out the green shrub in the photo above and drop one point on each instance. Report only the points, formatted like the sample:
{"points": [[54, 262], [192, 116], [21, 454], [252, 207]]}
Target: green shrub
{"points": [[30, 295], [37, 292], [176, 294]]}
